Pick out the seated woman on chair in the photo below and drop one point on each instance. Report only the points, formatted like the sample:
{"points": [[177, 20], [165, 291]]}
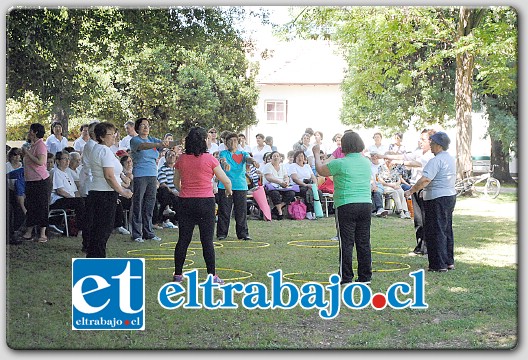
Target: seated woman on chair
{"points": [[390, 178], [277, 184], [65, 194], [301, 174]]}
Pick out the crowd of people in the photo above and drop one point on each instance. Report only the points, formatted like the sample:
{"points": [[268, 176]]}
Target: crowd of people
{"points": [[202, 181]]}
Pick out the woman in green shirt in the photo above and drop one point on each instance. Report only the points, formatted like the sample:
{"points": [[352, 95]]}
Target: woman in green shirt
{"points": [[352, 200]]}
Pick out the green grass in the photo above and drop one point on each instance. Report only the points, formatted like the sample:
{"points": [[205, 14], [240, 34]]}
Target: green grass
{"points": [[473, 307]]}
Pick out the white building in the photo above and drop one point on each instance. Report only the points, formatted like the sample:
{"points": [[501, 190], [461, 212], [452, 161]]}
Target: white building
{"points": [[300, 87]]}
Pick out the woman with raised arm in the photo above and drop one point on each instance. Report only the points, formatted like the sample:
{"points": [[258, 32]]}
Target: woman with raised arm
{"points": [[193, 173], [353, 206]]}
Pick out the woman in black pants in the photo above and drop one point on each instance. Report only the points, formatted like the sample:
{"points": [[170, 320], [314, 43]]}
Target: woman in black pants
{"points": [[353, 206], [37, 183], [193, 173], [104, 190]]}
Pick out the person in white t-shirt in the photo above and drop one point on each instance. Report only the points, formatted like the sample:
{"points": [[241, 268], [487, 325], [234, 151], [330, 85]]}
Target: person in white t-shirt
{"points": [[259, 150], [124, 143], [104, 190], [377, 147], [65, 194], [56, 142], [80, 142], [302, 175]]}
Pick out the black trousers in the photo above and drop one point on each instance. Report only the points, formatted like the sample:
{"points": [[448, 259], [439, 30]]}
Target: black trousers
{"points": [[122, 204], [101, 221], [225, 207], [419, 215], [277, 196], [77, 204], [166, 197], [37, 202], [438, 229], [353, 228], [15, 215], [201, 212]]}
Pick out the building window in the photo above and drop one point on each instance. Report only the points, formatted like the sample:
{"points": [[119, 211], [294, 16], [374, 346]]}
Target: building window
{"points": [[276, 110]]}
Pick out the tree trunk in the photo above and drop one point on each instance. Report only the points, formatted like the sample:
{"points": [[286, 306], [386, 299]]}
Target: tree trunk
{"points": [[463, 97], [499, 158]]}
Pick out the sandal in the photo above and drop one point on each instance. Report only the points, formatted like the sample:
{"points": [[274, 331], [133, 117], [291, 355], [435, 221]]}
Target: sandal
{"points": [[42, 239]]}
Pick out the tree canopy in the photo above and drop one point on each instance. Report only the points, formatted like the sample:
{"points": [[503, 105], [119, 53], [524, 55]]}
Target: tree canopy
{"points": [[180, 66], [423, 65]]}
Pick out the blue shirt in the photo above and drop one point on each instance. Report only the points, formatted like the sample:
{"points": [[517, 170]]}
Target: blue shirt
{"points": [[441, 170], [144, 161], [237, 171]]}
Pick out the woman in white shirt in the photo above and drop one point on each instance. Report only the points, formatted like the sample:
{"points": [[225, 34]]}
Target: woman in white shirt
{"points": [[302, 175], [104, 190], [260, 149], [56, 142], [277, 184], [65, 194]]}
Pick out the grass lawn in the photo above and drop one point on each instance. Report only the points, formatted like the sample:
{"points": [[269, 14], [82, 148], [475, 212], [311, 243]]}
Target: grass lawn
{"points": [[472, 307]]}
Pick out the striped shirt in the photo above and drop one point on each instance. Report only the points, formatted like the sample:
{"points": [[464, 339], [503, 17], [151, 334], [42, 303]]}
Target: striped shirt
{"points": [[166, 176]]}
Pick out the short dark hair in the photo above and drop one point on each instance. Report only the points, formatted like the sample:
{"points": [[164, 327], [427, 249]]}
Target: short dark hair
{"points": [[309, 130], [38, 129], [297, 153], [101, 129], [138, 122], [69, 149], [351, 142], [53, 124], [377, 133], [320, 133], [230, 135], [13, 152], [195, 141], [82, 127], [60, 154], [260, 135]]}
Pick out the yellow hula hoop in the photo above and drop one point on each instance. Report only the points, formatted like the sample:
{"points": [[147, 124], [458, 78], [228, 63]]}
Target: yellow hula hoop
{"points": [[173, 243], [226, 269], [388, 253], [405, 266], [288, 277], [191, 262], [263, 244], [139, 253], [299, 243]]}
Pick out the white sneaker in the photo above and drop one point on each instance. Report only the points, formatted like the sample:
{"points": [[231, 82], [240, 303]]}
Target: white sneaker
{"points": [[139, 240], [407, 215], [168, 212], [310, 215], [123, 231], [167, 224], [382, 212], [335, 238]]}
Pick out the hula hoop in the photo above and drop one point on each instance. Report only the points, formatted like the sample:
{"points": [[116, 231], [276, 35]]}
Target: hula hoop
{"points": [[388, 253], [172, 267], [226, 269], [139, 253], [215, 243], [404, 266], [288, 277], [263, 244], [299, 243]]}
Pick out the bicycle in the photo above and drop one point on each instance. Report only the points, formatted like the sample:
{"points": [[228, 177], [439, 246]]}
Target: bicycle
{"points": [[485, 184]]}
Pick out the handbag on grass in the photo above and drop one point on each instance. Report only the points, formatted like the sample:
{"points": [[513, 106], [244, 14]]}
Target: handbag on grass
{"points": [[297, 210]]}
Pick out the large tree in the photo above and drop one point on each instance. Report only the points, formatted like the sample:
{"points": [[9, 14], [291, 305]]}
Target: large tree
{"points": [[419, 65], [183, 66]]}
